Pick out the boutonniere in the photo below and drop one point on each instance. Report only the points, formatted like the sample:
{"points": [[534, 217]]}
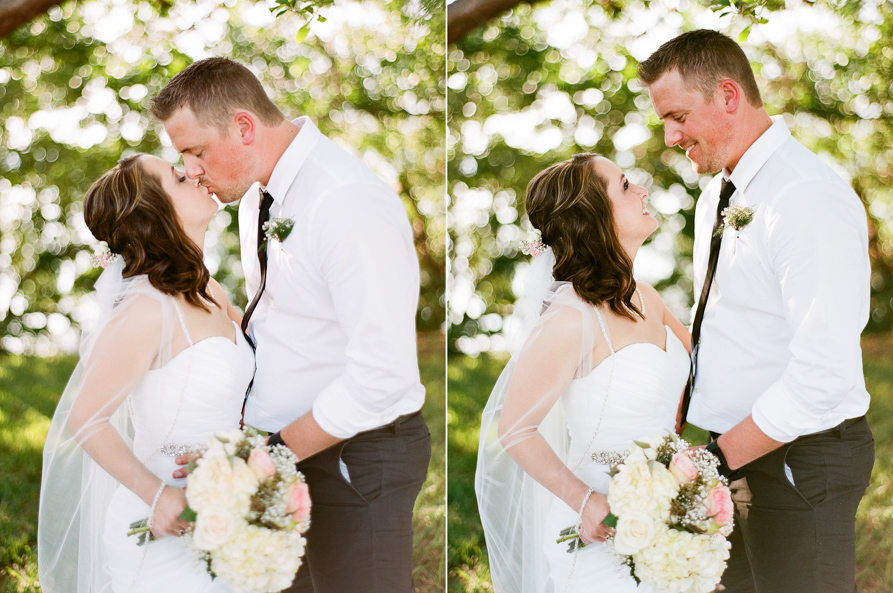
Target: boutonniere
{"points": [[737, 217], [278, 228]]}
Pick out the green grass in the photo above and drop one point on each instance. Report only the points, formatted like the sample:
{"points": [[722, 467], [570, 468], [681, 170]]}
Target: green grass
{"points": [[29, 390], [429, 573], [470, 381]]}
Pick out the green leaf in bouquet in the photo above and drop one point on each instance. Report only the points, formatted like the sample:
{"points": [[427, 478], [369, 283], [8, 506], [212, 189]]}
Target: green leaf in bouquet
{"points": [[610, 520], [189, 515], [643, 444]]}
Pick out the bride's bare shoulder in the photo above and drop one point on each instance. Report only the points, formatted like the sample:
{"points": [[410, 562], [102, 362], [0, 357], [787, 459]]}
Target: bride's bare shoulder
{"points": [[143, 313]]}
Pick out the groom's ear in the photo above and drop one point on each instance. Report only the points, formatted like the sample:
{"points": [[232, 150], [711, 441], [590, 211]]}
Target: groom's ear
{"points": [[246, 127], [731, 94]]}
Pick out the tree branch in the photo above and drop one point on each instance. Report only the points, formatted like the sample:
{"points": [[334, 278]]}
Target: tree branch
{"points": [[465, 15], [14, 13]]}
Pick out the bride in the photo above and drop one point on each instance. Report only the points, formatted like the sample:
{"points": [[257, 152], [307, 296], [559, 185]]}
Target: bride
{"points": [[603, 346], [164, 369]]}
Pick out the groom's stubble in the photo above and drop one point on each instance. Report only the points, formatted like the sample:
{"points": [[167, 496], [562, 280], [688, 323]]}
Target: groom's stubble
{"points": [[698, 124], [712, 150], [713, 159], [218, 160]]}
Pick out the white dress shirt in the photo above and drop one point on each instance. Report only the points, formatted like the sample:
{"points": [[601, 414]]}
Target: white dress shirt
{"points": [[780, 335], [335, 327]]}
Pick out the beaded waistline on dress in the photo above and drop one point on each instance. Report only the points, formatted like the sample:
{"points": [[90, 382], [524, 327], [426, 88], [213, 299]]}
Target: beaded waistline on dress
{"points": [[610, 458], [172, 450]]}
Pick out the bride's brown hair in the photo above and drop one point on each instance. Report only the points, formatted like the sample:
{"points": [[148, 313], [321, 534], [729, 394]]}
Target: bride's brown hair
{"points": [[128, 209], [568, 202]]}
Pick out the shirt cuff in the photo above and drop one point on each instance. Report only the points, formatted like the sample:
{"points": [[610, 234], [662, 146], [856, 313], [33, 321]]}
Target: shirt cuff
{"points": [[338, 412], [778, 415]]}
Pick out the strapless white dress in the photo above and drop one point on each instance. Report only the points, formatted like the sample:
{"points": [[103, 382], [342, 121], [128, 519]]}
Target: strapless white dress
{"points": [[646, 385], [202, 389]]}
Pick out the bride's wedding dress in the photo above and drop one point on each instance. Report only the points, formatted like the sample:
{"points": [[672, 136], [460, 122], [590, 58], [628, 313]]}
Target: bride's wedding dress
{"points": [[203, 387], [642, 399], [633, 393], [188, 394]]}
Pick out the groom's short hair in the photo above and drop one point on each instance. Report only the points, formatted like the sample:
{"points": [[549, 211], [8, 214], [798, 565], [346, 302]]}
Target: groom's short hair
{"points": [[703, 58], [215, 89]]}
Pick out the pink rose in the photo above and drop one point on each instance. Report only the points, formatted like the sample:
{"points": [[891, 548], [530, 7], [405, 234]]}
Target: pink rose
{"points": [[683, 468], [719, 505], [298, 501], [261, 463]]}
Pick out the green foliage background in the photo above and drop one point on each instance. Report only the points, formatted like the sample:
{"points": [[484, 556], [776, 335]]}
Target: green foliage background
{"points": [[74, 91], [549, 80]]}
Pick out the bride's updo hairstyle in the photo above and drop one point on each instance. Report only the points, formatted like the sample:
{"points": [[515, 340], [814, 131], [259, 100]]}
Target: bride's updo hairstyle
{"points": [[568, 202], [128, 209]]}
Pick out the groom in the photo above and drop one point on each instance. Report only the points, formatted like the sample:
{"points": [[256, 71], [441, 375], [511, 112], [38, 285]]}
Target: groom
{"points": [[333, 295], [784, 296]]}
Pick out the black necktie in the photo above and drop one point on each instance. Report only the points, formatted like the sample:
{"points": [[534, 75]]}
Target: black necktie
{"points": [[728, 188], [263, 216]]}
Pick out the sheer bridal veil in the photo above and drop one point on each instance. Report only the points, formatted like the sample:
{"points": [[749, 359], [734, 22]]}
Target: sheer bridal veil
{"points": [[512, 505], [75, 491]]}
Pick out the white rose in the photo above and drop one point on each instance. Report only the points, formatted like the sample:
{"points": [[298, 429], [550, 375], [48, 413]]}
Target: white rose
{"points": [[232, 436], [214, 449], [244, 483], [634, 531], [213, 528], [208, 485], [636, 455], [641, 488]]}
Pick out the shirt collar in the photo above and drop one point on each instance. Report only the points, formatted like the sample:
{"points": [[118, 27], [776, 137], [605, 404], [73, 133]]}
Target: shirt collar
{"points": [[759, 152], [292, 159]]}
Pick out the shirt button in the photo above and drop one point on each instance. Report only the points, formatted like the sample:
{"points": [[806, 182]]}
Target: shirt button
{"points": [[697, 390]]}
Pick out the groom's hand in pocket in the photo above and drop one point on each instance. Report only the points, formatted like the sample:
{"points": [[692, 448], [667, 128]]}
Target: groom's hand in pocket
{"points": [[187, 460]]}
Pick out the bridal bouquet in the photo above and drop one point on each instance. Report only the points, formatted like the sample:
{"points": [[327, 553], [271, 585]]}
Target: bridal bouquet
{"points": [[672, 512], [250, 507]]}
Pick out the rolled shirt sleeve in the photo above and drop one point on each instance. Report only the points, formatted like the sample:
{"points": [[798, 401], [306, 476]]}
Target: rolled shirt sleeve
{"points": [[365, 254], [817, 247]]}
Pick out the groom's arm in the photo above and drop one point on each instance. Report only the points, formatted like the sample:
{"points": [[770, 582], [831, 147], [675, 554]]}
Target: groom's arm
{"points": [[745, 442], [363, 251], [819, 252], [305, 437]]}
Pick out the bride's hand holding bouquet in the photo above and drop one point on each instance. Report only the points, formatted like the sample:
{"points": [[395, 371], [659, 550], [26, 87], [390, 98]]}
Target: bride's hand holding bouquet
{"points": [[245, 509], [672, 512]]}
